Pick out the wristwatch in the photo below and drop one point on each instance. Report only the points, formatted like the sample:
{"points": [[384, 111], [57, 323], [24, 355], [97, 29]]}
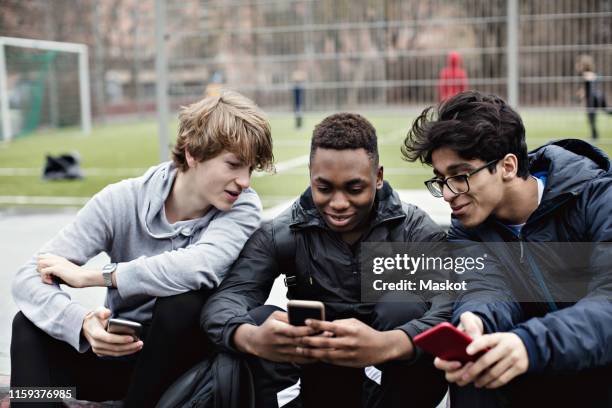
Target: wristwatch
{"points": [[107, 271]]}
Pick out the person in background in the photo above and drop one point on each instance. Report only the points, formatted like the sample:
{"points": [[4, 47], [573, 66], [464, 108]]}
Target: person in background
{"points": [[299, 92], [453, 78], [591, 93]]}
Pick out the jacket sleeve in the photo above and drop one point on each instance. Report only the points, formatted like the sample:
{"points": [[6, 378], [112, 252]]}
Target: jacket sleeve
{"points": [[421, 228], [488, 294], [246, 286], [580, 336], [203, 264], [48, 306]]}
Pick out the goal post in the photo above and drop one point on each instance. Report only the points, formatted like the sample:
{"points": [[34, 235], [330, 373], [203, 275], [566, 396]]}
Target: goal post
{"points": [[50, 49]]}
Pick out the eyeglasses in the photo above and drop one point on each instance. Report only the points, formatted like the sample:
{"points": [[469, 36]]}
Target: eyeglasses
{"points": [[456, 184]]}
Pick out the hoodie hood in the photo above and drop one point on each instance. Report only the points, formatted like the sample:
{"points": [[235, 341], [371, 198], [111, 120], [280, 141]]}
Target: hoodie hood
{"points": [[570, 164], [454, 59], [157, 184]]}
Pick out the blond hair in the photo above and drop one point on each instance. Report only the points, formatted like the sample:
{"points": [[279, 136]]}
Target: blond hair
{"points": [[585, 63], [229, 122]]}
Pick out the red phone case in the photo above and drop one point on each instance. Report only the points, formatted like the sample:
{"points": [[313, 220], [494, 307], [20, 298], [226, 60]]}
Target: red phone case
{"points": [[446, 342]]}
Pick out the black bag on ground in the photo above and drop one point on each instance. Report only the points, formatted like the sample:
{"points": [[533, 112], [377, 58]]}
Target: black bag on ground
{"points": [[63, 167], [222, 381]]}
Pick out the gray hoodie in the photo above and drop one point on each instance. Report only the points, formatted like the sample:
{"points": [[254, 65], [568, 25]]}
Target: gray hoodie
{"points": [[155, 259]]}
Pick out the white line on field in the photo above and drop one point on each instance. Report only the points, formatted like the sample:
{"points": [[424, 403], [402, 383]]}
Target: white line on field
{"points": [[92, 171], [43, 200], [287, 165], [281, 167], [409, 171]]}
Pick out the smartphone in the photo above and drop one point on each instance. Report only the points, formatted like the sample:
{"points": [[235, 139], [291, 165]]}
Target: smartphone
{"points": [[300, 310], [122, 326], [447, 342]]}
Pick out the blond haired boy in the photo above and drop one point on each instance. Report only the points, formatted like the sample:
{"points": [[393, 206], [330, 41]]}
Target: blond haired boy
{"points": [[171, 235]]}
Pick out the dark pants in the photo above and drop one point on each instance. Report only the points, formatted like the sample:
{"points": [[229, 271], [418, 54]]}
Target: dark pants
{"points": [[172, 344], [592, 116], [402, 383], [589, 388]]}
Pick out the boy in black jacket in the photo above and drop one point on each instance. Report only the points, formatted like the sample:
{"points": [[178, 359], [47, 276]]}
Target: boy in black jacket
{"points": [[348, 203]]}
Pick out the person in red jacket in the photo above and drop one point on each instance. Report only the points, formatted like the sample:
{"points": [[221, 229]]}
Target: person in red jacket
{"points": [[453, 78]]}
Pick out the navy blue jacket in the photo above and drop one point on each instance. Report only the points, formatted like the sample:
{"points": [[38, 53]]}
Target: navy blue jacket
{"points": [[576, 207]]}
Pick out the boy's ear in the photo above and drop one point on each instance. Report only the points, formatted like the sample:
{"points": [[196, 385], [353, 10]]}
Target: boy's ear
{"points": [[509, 166], [191, 161], [379, 177]]}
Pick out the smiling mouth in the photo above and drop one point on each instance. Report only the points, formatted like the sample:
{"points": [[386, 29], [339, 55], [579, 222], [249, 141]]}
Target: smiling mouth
{"points": [[457, 209], [339, 219], [233, 193]]}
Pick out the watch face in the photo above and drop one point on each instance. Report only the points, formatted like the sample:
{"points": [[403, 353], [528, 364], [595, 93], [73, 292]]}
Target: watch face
{"points": [[107, 270], [109, 267]]}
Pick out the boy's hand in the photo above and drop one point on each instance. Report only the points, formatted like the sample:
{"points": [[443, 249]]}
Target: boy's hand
{"points": [[274, 340], [50, 266], [354, 343], [505, 358], [104, 343], [470, 324]]}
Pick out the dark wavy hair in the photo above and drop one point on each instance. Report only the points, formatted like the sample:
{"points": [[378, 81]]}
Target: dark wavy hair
{"points": [[342, 131], [472, 124]]}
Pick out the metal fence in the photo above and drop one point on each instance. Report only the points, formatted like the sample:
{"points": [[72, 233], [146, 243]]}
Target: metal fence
{"points": [[345, 53], [390, 52]]}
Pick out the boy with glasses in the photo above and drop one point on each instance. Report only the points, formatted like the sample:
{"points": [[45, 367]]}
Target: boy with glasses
{"points": [[498, 193]]}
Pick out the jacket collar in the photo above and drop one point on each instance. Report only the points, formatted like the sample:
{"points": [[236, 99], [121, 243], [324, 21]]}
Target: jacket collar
{"points": [[387, 205], [570, 164]]}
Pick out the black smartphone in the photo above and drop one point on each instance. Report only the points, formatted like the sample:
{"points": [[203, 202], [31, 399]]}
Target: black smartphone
{"points": [[123, 326], [300, 310]]}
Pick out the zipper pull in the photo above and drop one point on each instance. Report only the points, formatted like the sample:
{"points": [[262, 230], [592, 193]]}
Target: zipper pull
{"points": [[310, 279], [521, 244]]}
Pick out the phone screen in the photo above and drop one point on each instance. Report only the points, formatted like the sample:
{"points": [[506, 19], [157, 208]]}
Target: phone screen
{"points": [[299, 314]]}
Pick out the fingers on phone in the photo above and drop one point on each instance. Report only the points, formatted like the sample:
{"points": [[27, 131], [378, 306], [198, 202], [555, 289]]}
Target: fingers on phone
{"points": [[446, 365], [112, 338]]}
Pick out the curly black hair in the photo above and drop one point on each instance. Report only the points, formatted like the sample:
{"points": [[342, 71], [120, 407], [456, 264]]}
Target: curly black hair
{"points": [[472, 124], [342, 131]]}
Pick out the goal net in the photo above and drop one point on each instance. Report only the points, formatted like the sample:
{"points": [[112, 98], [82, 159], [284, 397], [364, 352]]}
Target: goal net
{"points": [[42, 85]]}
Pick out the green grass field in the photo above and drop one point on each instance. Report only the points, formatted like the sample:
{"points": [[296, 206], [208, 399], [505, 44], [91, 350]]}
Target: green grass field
{"points": [[117, 151]]}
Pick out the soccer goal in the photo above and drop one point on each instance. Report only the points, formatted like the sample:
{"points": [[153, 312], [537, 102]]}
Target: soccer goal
{"points": [[42, 84]]}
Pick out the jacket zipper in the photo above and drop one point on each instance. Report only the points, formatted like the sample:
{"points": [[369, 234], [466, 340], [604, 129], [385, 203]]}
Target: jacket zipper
{"points": [[538, 275]]}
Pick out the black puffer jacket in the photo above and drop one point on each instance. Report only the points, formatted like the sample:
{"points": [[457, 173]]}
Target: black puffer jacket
{"points": [[326, 268]]}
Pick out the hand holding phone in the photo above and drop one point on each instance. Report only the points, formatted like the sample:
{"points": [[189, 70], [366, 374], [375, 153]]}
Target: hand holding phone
{"points": [[275, 339], [95, 329], [123, 326], [446, 342], [300, 310]]}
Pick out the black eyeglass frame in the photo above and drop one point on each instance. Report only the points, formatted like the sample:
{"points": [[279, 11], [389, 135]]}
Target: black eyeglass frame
{"points": [[429, 183]]}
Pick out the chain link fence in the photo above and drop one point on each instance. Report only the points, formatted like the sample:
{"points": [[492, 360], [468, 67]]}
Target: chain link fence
{"points": [[344, 53]]}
